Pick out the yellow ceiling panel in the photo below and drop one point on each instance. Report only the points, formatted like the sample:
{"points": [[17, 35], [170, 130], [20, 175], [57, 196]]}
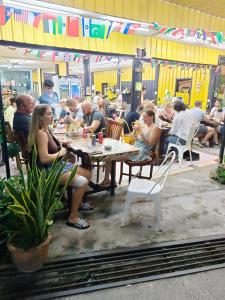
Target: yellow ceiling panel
{"points": [[217, 8]]}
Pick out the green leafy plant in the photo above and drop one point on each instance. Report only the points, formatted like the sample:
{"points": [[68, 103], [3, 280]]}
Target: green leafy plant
{"points": [[31, 213], [219, 174], [6, 199]]}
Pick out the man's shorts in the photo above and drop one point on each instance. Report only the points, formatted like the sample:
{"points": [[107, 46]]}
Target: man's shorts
{"points": [[202, 129]]}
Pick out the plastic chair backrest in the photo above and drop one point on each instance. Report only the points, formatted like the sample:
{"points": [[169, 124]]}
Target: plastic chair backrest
{"points": [[162, 178], [193, 131]]}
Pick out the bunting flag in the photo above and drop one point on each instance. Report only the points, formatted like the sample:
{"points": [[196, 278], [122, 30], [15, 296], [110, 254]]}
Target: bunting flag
{"points": [[2, 14], [21, 16], [9, 11], [99, 28], [86, 22], [72, 26], [37, 19], [61, 24], [53, 56], [98, 58]]}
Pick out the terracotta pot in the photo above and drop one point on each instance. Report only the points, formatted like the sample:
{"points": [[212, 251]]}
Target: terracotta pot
{"points": [[32, 259]]}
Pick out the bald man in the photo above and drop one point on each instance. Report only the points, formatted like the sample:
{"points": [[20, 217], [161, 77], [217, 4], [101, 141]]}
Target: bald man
{"points": [[94, 119], [22, 116]]}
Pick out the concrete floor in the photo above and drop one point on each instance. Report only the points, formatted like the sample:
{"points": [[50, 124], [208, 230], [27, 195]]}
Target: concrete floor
{"points": [[193, 205], [207, 286]]}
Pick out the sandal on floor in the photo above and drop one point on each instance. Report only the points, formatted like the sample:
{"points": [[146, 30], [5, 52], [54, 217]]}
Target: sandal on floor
{"points": [[80, 224], [85, 207]]}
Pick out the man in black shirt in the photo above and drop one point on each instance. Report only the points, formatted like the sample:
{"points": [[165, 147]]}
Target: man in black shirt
{"points": [[93, 118], [22, 116]]}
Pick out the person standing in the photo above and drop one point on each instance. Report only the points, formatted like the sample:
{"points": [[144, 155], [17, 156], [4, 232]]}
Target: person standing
{"points": [[49, 96]]}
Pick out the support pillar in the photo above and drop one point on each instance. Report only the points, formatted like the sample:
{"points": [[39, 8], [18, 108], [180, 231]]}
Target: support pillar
{"points": [[137, 68], [87, 77], [3, 136], [118, 79]]}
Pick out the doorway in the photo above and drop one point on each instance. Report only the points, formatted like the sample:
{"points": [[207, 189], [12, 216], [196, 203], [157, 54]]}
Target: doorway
{"points": [[104, 87], [183, 89]]}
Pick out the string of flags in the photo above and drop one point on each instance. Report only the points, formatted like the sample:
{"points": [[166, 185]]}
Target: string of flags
{"points": [[98, 28], [64, 56], [79, 58]]}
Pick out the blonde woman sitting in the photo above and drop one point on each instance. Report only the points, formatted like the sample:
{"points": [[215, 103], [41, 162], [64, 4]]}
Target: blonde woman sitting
{"points": [[167, 113], [146, 136], [48, 150]]}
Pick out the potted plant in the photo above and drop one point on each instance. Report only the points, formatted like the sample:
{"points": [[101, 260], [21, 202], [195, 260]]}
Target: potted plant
{"points": [[31, 214], [5, 200]]}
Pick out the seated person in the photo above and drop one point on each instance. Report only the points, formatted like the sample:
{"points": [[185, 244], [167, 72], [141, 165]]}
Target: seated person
{"points": [[167, 113], [132, 117], [215, 110], [146, 135], [97, 97], [10, 110], [48, 149], [64, 110], [94, 119], [200, 116], [181, 125], [22, 116], [74, 115], [103, 106]]}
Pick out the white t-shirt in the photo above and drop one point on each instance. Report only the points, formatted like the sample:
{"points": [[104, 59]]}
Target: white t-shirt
{"points": [[182, 123], [95, 101], [198, 114]]}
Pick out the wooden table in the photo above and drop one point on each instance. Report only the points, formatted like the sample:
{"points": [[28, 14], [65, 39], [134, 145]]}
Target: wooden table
{"points": [[84, 149]]}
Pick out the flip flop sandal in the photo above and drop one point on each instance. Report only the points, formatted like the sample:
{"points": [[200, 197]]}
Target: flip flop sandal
{"points": [[85, 207], [80, 224]]}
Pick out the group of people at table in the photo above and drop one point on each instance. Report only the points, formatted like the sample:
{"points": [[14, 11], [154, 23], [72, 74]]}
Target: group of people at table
{"points": [[144, 124]]}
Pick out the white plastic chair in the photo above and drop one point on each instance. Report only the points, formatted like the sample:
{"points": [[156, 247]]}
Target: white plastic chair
{"points": [[149, 188], [182, 148]]}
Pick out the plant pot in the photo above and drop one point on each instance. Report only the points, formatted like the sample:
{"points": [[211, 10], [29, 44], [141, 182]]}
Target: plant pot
{"points": [[32, 259]]}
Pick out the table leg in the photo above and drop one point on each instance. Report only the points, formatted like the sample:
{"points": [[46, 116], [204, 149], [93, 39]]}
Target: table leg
{"points": [[113, 175]]}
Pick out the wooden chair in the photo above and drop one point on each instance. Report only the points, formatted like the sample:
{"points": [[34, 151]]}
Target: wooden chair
{"points": [[131, 164], [10, 137], [114, 128]]}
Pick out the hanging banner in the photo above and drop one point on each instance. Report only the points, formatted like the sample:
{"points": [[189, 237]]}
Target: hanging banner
{"points": [[101, 29]]}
